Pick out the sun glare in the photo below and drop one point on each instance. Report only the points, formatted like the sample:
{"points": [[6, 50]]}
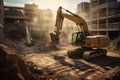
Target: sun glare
{"points": [[54, 4]]}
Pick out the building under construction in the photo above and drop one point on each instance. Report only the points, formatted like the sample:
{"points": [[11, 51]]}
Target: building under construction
{"points": [[83, 10], [104, 16]]}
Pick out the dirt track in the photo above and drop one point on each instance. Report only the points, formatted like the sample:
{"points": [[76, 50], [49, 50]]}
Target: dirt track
{"points": [[56, 65]]}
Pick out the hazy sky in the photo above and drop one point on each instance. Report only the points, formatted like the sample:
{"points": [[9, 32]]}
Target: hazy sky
{"points": [[47, 4]]}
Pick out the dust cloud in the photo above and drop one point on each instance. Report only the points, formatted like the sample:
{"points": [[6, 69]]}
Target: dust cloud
{"points": [[45, 25], [41, 27]]}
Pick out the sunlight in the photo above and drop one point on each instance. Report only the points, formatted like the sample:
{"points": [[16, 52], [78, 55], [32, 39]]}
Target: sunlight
{"points": [[54, 4], [48, 4]]}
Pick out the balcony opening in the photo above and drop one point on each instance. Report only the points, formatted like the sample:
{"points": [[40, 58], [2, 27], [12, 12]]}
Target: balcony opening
{"points": [[102, 24], [102, 33], [113, 34], [113, 0], [94, 14], [93, 3], [114, 23], [94, 25], [113, 11], [102, 12], [102, 1]]}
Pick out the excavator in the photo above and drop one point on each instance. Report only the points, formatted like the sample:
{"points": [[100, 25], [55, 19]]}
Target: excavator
{"points": [[91, 46]]}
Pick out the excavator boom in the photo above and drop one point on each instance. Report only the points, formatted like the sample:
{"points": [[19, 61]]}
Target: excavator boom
{"points": [[71, 16]]}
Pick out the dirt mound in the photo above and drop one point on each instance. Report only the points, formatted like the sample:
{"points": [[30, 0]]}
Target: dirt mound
{"points": [[115, 45]]}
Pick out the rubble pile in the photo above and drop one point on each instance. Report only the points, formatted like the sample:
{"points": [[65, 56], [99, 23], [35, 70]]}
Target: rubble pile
{"points": [[44, 73], [9, 69], [41, 72], [114, 74], [115, 45], [38, 46]]}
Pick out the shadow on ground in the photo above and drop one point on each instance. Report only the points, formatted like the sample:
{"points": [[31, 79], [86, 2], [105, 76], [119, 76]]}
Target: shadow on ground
{"points": [[101, 62], [76, 65], [106, 61]]}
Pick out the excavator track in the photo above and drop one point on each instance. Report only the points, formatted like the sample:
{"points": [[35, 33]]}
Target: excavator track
{"points": [[94, 53], [59, 66], [88, 54], [75, 53]]}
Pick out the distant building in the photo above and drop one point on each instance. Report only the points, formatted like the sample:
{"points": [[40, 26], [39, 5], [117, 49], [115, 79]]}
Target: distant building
{"points": [[14, 22], [83, 10], [14, 13], [105, 17], [45, 19], [31, 11], [83, 7], [44, 25]]}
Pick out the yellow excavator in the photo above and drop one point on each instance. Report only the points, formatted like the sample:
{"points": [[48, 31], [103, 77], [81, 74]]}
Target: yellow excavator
{"points": [[90, 45]]}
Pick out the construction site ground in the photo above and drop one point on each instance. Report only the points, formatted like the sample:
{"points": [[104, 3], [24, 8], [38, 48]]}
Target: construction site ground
{"points": [[54, 64]]}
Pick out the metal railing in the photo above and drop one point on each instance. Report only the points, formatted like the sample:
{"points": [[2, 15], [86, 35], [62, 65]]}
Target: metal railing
{"points": [[102, 1], [102, 26], [102, 14], [113, 12], [114, 26], [94, 4], [94, 16]]}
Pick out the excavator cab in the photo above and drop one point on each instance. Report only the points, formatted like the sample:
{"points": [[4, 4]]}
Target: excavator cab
{"points": [[77, 38]]}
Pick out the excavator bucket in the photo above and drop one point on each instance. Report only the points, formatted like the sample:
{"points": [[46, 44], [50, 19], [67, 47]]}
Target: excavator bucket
{"points": [[54, 38]]}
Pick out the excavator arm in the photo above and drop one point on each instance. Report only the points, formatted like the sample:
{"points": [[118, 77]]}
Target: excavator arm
{"points": [[71, 16]]}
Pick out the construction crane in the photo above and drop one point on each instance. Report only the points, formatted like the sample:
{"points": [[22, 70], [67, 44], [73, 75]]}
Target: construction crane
{"points": [[90, 46]]}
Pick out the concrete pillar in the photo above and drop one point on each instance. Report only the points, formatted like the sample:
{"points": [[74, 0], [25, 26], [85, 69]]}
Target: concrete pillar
{"points": [[107, 22], [107, 26], [1, 12], [97, 17], [1, 20]]}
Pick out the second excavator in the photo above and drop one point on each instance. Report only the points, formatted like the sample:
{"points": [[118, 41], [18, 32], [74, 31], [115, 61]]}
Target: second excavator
{"points": [[90, 45]]}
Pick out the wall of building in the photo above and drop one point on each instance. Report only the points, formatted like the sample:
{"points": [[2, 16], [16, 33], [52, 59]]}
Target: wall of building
{"points": [[31, 11], [1, 12], [105, 17], [102, 16], [83, 10]]}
